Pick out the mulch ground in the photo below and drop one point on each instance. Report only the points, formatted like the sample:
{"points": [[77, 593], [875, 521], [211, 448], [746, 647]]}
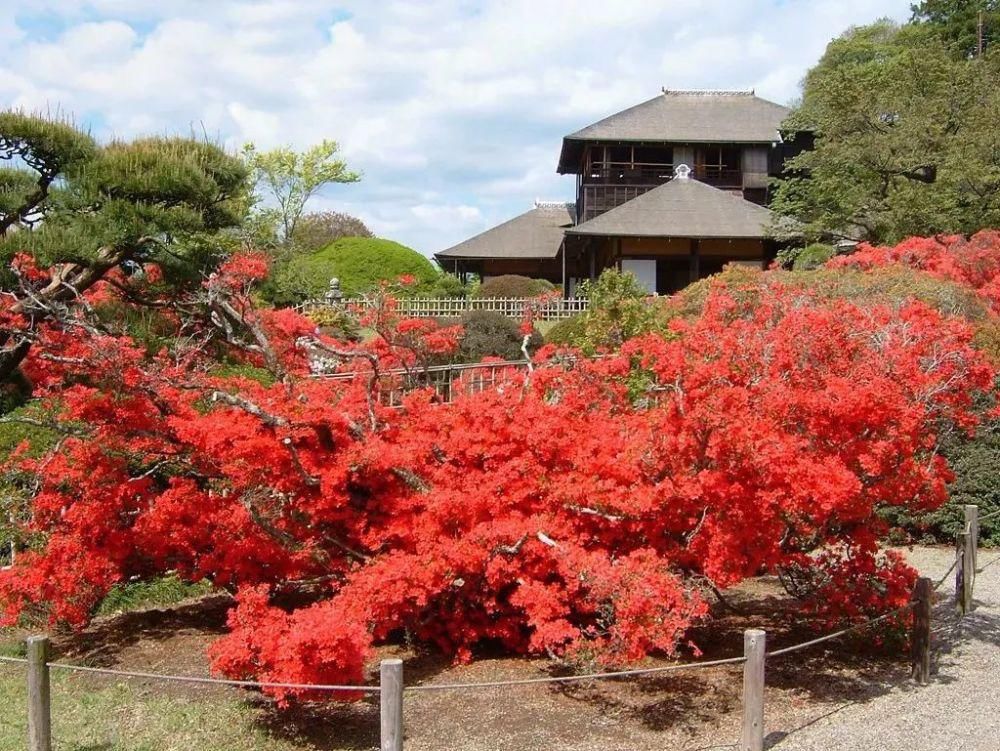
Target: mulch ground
{"points": [[691, 709]]}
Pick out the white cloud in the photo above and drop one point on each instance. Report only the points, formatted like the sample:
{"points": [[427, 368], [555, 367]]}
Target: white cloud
{"points": [[453, 109]]}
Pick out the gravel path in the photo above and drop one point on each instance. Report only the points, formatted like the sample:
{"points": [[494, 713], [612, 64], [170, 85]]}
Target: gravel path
{"points": [[958, 711]]}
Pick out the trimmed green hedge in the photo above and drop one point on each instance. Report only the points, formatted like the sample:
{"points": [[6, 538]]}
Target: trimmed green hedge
{"points": [[487, 333], [360, 263], [512, 285]]}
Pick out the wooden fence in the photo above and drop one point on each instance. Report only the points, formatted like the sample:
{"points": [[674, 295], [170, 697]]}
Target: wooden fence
{"points": [[448, 381], [449, 307], [392, 687]]}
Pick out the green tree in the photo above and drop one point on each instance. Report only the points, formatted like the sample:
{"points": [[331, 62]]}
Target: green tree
{"points": [[86, 208], [906, 142], [285, 180], [963, 23], [317, 230]]}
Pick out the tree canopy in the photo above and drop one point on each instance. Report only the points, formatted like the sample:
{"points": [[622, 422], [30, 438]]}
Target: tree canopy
{"points": [[906, 142], [964, 24], [82, 209], [285, 180], [319, 229]]}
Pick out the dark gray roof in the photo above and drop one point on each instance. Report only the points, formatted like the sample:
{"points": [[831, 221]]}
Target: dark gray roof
{"points": [[534, 234], [682, 207], [684, 117]]}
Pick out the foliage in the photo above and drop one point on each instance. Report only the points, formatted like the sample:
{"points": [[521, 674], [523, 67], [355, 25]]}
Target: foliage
{"points": [[976, 465], [551, 514], [567, 331], [487, 333], [448, 285], [892, 284], [806, 258], [971, 262], [360, 263], [618, 309], [958, 22], [159, 592], [906, 142], [512, 285], [285, 180], [337, 323], [98, 213], [317, 230]]}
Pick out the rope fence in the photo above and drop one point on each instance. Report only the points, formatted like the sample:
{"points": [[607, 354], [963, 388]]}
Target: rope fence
{"points": [[211, 681], [391, 686]]}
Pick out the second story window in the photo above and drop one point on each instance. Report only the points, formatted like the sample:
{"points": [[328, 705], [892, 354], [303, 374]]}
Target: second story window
{"points": [[630, 164], [718, 165]]}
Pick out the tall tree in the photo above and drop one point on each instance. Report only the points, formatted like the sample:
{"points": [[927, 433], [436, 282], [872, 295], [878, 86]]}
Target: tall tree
{"points": [[82, 209], [285, 180], [970, 26], [317, 230], [904, 141]]}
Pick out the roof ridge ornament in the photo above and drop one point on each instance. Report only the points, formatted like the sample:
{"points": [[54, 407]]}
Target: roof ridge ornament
{"points": [[540, 204], [707, 92], [682, 172]]}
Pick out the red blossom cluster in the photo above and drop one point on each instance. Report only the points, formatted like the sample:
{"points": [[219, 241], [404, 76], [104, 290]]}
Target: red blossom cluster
{"points": [[973, 262], [580, 509]]}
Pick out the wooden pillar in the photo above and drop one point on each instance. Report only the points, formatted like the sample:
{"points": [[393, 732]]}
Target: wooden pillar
{"points": [[562, 253], [39, 707], [391, 704], [754, 641], [920, 632], [695, 272], [593, 259]]}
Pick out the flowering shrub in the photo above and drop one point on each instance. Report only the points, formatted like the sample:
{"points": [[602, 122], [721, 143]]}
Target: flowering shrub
{"points": [[974, 262], [574, 510]]}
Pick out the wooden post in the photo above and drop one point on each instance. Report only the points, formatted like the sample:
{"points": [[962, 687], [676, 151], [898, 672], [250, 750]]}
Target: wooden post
{"points": [[694, 271], [966, 576], [971, 512], [920, 632], [391, 700], [962, 573], [754, 641], [39, 708]]}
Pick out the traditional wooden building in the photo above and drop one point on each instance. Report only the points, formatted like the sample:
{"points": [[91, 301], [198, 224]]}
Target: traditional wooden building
{"points": [[671, 189]]}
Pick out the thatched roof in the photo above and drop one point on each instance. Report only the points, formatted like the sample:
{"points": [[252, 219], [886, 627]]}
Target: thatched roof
{"points": [[534, 234], [683, 117], [682, 207]]}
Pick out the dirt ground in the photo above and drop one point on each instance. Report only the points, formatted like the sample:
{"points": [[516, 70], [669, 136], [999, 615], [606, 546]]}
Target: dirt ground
{"points": [[690, 709]]}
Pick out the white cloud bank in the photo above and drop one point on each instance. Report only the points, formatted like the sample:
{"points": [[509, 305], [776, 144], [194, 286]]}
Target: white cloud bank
{"points": [[452, 109]]}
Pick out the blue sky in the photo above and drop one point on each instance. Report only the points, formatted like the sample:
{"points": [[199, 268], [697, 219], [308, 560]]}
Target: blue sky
{"points": [[454, 110]]}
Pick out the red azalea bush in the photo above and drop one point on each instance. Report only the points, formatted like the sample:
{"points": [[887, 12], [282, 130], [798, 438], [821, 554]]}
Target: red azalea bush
{"points": [[575, 510], [974, 261]]}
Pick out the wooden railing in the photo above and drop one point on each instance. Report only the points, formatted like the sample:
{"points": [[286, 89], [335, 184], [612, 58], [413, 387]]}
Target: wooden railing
{"points": [[448, 307], [448, 381]]}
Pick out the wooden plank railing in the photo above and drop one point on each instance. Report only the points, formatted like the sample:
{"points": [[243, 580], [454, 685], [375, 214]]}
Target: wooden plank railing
{"points": [[454, 307]]}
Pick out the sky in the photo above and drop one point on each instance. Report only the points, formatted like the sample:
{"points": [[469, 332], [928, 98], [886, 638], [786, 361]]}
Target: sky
{"points": [[453, 110]]}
